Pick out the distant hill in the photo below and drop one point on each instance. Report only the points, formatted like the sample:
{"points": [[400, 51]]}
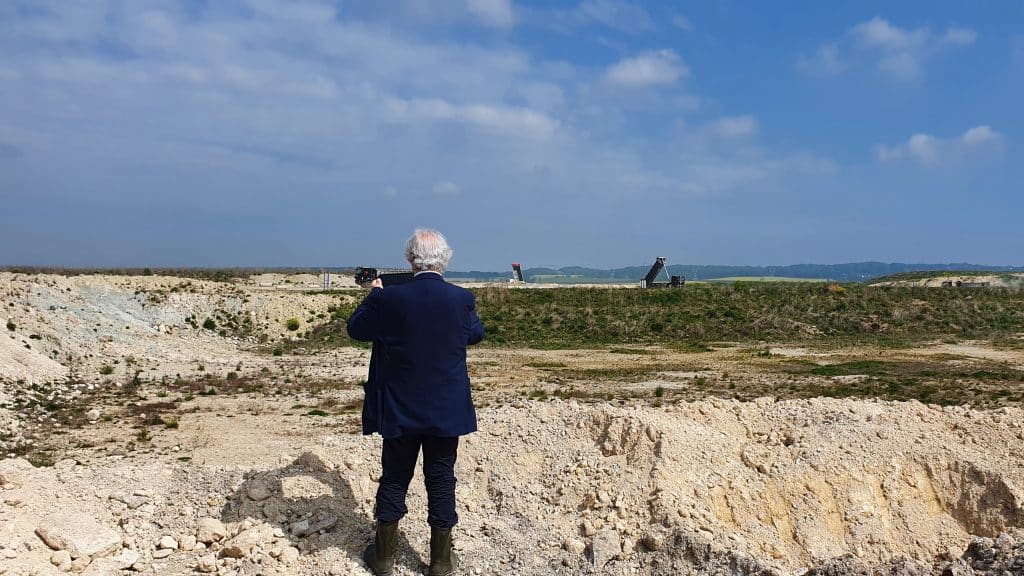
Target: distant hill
{"points": [[852, 272]]}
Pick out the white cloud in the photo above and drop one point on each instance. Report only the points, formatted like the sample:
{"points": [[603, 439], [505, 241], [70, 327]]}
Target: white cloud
{"points": [[650, 69], [929, 150], [980, 135], [922, 147], [734, 126], [879, 33], [897, 52], [825, 61], [494, 13], [514, 121], [446, 188]]}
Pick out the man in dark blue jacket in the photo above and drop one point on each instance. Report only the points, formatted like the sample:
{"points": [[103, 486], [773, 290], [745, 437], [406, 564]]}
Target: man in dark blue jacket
{"points": [[417, 393]]}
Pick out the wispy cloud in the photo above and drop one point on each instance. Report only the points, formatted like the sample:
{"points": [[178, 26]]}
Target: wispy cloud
{"points": [[734, 127], [929, 150], [650, 69], [896, 52], [494, 13], [615, 14], [512, 121], [682, 22], [446, 188]]}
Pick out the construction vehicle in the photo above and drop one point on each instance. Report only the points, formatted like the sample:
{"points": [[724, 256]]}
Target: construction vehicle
{"points": [[650, 280], [517, 274], [364, 276]]}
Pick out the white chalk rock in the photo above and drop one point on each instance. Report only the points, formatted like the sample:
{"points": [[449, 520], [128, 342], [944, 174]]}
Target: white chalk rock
{"points": [[80, 535], [207, 564], [210, 530], [246, 540]]}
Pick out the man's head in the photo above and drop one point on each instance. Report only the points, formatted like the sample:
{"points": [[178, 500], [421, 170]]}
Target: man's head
{"points": [[428, 250]]}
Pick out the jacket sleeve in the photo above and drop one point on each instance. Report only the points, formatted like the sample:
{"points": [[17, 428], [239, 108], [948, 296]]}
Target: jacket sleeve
{"points": [[476, 327], [364, 323]]}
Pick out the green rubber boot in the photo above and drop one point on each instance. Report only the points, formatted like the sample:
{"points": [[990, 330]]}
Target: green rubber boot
{"points": [[380, 556], [442, 557]]}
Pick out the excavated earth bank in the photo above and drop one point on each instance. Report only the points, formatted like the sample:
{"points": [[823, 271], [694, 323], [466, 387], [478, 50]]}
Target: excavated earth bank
{"points": [[718, 487]]}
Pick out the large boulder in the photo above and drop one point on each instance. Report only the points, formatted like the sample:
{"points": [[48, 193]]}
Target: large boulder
{"points": [[82, 536]]}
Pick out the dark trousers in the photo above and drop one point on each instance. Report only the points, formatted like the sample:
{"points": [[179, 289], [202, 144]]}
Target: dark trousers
{"points": [[399, 461]]}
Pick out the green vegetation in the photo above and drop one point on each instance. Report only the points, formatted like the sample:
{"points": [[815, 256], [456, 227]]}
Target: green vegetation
{"points": [[687, 319], [764, 279], [11, 326], [292, 324], [106, 370], [209, 324], [784, 312]]}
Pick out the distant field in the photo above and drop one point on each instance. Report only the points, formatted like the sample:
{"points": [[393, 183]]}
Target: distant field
{"points": [[570, 280], [751, 312], [764, 279]]}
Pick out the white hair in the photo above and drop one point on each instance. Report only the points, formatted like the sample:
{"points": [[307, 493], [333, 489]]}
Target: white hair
{"points": [[428, 250]]}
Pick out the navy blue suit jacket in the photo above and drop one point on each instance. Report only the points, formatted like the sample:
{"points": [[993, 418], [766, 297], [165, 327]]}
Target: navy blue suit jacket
{"points": [[418, 382]]}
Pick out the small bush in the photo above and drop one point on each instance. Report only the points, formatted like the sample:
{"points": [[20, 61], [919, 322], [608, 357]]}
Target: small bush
{"points": [[171, 423], [11, 325], [232, 376], [277, 352], [659, 391], [209, 324], [292, 324], [106, 370]]}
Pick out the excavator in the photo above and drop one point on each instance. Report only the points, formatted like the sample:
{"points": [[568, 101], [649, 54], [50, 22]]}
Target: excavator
{"points": [[650, 280]]}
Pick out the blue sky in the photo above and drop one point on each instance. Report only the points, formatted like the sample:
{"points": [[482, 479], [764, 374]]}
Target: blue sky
{"points": [[592, 132]]}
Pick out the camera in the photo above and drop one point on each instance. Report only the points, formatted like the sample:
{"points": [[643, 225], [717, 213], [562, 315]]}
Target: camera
{"points": [[364, 276]]}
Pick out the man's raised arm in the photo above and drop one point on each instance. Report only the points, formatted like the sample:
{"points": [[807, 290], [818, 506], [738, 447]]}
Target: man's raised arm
{"points": [[363, 324], [476, 327]]}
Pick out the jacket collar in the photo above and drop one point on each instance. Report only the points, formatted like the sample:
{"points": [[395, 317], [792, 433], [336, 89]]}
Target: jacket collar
{"points": [[428, 275]]}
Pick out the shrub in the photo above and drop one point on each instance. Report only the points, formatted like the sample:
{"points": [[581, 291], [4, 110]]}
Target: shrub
{"points": [[209, 324], [277, 352], [11, 325], [106, 370], [292, 324], [232, 376], [659, 391]]}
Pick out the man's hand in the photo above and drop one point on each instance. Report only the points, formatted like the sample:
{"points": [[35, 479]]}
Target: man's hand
{"points": [[377, 283]]}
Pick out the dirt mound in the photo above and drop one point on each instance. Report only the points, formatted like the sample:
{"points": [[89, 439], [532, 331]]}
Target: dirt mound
{"points": [[561, 488], [940, 280]]}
